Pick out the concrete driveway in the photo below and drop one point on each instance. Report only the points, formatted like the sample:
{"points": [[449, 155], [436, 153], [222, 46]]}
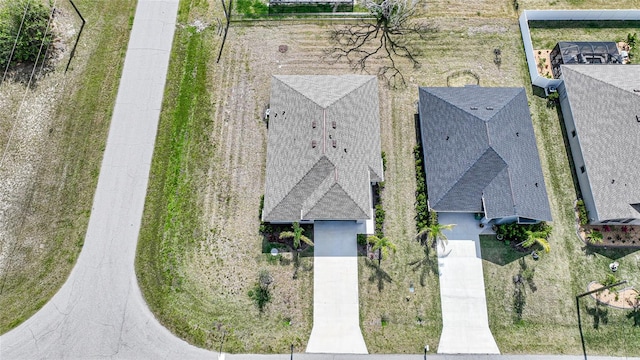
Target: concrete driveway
{"points": [[336, 311], [465, 324]]}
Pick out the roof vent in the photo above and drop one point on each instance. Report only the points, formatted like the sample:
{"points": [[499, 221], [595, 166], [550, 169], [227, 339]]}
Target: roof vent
{"points": [[313, 124], [314, 144], [334, 143], [637, 118], [489, 108], [474, 108], [333, 124]]}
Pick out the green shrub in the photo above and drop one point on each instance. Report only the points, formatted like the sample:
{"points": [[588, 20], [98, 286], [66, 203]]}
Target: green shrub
{"points": [[609, 280], [583, 214], [423, 217], [252, 8], [32, 34], [380, 214], [260, 293], [384, 161], [518, 232], [595, 237], [362, 239]]}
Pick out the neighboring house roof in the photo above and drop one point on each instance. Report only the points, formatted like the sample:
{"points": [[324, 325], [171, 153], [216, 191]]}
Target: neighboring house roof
{"points": [[605, 104], [480, 152], [323, 148]]}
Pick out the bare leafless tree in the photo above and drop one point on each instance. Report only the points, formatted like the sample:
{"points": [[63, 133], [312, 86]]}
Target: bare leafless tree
{"points": [[391, 35]]}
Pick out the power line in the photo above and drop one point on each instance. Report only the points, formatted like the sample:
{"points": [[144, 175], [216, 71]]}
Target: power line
{"points": [[26, 90]]}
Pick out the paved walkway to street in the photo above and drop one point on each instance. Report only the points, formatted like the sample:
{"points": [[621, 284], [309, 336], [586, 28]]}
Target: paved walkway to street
{"points": [[465, 324], [99, 312], [336, 312]]}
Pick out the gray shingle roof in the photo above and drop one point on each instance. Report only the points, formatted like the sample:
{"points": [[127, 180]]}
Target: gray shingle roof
{"points": [[479, 146], [606, 113], [331, 181]]}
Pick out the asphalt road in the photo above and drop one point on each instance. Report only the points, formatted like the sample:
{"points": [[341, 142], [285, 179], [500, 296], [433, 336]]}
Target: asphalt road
{"points": [[99, 312]]}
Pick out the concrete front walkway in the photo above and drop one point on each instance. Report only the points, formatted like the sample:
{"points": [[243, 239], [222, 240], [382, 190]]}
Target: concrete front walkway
{"points": [[465, 324], [99, 312], [336, 311]]}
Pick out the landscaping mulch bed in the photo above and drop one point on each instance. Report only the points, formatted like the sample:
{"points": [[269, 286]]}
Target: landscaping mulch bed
{"points": [[623, 299], [614, 235]]}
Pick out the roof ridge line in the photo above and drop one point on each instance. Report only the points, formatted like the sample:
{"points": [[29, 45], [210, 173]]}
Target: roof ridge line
{"points": [[311, 206], [513, 199], [335, 101], [354, 89], [292, 88]]}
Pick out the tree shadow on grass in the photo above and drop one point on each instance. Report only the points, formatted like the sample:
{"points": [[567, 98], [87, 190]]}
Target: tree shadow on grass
{"points": [[519, 300], [634, 315], [610, 253], [428, 264], [377, 275], [498, 252], [600, 315], [527, 273]]}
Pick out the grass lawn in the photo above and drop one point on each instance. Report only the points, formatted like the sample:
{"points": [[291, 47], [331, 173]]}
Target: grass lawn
{"points": [[543, 319], [200, 252], [545, 34], [53, 159]]}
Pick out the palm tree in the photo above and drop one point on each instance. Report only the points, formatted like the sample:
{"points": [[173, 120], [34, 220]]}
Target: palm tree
{"points": [[434, 233], [536, 237], [382, 244], [296, 235]]}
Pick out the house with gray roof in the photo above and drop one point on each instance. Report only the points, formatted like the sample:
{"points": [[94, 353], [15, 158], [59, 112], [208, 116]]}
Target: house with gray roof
{"points": [[323, 148], [480, 154], [601, 110]]}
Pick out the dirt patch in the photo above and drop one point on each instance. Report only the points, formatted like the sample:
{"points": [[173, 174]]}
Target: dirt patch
{"points": [[29, 102], [621, 299], [543, 62]]}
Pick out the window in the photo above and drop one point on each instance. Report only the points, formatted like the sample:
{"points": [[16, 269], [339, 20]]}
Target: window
{"points": [[573, 133], [582, 169]]}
